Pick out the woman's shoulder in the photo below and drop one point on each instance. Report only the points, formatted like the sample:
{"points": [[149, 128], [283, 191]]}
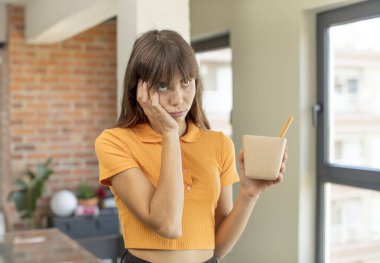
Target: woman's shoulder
{"points": [[217, 136], [211, 132], [114, 134]]}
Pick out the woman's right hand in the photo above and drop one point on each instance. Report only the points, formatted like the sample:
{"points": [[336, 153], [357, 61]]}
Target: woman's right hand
{"points": [[160, 120]]}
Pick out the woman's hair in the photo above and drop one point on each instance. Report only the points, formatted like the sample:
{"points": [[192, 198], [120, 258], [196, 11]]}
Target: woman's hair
{"points": [[157, 56]]}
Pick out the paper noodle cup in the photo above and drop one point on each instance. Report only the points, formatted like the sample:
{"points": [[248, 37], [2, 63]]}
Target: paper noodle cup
{"points": [[263, 156]]}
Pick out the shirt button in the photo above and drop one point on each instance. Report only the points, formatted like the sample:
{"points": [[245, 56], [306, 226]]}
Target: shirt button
{"points": [[188, 188]]}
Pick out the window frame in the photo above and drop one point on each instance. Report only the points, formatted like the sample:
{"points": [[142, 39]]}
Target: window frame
{"points": [[218, 41], [332, 173]]}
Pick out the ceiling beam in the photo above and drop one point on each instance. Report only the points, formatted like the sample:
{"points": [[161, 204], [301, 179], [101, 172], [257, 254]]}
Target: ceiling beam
{"points": [[52, 21]]}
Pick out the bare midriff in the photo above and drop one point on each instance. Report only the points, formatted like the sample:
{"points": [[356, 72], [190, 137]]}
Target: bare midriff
{"points": [[173, 256]]}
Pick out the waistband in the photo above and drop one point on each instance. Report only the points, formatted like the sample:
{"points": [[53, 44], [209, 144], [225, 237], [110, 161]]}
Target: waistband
{"points": [[129, 258]]}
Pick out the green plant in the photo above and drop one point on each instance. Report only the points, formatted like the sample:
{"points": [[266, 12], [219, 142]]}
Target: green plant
{"points": [[29, 188], [85, 191]]}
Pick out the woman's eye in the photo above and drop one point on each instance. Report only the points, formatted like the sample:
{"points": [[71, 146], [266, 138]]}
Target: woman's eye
{"points": [[185, 82], [162, 87]]}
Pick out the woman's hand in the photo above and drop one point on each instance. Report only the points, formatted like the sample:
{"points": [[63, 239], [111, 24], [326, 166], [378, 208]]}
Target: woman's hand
{"points": [[253, 187], [160, 120]]}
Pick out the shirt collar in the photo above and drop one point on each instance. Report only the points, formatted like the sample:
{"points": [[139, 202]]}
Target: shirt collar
{"points": [[146, 134]]}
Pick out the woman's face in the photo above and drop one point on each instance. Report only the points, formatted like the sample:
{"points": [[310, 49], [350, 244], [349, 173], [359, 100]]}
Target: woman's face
{"points": [[176, 97]]}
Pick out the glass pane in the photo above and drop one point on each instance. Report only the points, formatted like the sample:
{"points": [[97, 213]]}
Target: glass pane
{"points": [[352, 225], [216, 72], [354, 94]]}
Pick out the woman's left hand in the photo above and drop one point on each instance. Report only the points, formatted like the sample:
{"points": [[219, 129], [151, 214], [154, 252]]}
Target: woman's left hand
{"points": [[253, 187]]}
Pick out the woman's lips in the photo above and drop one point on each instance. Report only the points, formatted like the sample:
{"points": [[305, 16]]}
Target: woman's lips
{"points": [[176, 114]]}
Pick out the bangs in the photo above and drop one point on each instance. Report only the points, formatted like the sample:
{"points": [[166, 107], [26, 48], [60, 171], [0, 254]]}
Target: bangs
{"points": [[163, 61]]}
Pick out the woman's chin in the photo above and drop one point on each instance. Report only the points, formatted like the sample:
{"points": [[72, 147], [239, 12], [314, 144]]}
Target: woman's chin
{"points": [[180, 120]]}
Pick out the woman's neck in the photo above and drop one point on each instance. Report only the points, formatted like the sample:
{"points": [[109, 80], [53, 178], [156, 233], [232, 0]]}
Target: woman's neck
{"points": [[182, 128]]}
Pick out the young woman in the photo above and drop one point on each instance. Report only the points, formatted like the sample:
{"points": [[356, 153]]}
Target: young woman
{"points": [[170, 174]]}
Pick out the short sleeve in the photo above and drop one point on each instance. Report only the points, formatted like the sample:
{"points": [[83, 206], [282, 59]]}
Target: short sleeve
{"points": [[113, 157], [229, 173]]}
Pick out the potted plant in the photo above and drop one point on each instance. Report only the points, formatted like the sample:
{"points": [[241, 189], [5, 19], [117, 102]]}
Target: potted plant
{"points": [[86, 195], [29, 188]]}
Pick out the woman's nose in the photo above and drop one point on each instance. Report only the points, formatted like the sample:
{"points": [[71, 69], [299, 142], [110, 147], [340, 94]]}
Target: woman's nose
{"points": [[176, 97]]}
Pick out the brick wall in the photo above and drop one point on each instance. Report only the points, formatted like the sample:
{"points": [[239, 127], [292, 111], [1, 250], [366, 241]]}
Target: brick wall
{"points": [[61, 97]]}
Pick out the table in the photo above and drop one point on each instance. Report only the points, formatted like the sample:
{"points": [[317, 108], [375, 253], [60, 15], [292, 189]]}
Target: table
{"points": [[98, 234], [43, 245], [106, 223]]}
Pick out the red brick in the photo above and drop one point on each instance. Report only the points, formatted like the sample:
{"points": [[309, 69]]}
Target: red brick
{"points": [[25, 148], [20, 131]]}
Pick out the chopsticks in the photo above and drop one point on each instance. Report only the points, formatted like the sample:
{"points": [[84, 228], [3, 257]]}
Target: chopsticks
{"points": [[286, 126]]}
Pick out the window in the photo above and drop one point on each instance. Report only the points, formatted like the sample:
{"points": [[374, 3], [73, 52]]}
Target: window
{"points": [[348, 134], [214, 57], [352, 86]]}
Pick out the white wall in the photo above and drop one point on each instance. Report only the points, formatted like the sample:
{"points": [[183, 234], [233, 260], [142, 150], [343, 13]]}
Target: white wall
{"points": [[209, 17], [273, 47]]}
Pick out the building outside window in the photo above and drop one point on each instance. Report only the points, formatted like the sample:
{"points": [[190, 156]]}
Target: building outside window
{"points": [[349, 134]]}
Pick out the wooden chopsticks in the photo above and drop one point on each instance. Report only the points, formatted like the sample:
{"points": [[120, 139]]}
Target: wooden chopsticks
{"points": [[286, 126]]}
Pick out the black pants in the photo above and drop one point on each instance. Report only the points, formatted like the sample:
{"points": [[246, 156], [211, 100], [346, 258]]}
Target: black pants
{"points": [[129, 258]]}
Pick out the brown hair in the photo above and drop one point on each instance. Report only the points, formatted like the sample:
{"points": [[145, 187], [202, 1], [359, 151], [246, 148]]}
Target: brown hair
{"points": [[157, 56]]}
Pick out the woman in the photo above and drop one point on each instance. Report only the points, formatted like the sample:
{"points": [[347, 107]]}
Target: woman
{"points": [[171, 176]]}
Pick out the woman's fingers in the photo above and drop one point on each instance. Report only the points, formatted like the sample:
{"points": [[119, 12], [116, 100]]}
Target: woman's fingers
{"points": [[241, 160], [285, 156], [280, 178], [283, 165], [154, 99], [154, 96], [241, 155], [139, 91], [145, 99], [141, 97], [144, 93]]}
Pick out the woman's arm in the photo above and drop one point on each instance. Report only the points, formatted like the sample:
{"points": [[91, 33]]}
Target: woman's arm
{"points": [[233, 221], [160, 208], [232, 225]]}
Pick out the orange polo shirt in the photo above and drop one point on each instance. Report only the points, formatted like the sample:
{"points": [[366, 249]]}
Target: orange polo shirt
{"points": [[208, 163]]}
